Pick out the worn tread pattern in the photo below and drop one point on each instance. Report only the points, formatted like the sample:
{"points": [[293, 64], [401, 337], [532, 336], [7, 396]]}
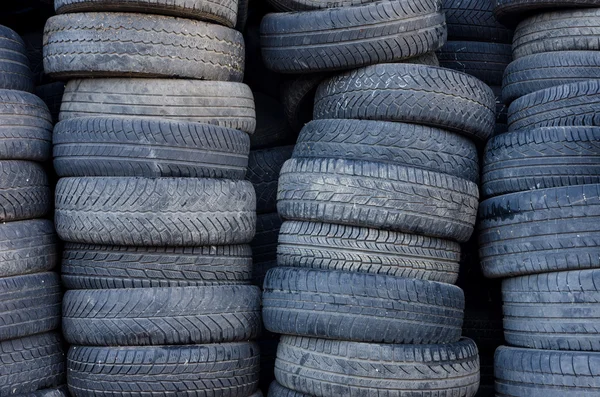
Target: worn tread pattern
{"points": [[474, 20], [511, 12], [161, 316], [24, 191], [228, 370], [417, 94], [155, 212], [103, 267], [377, 195], [141, 45], [263, 172], [327, 368], [15, 73], [350, 37], [305, 5]]}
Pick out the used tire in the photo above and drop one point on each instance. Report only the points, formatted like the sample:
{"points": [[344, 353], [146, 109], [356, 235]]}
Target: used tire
{"points": [[276, 390], [228, 369], [327, 368], [161, 316], [141, 45], [25, 127], [103, 267], [221, 103], [264, 246], [298, 99], [144, 147], [303, 5], [223, 12], [61, 391], [361, 307], [27, 247], [474, 20], [510, 12], [372, 33], [541, 158], [24, 191], [14, 64], [377, 195], [540, 231], [263, 171], [531, 372], [411, 145], [417, 94], [355, 249], [155, 212]]}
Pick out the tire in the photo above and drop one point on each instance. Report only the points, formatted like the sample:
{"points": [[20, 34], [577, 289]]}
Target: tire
{"points": [[263, 171], [550, 69], [51, 94], [229, 369], [225, 104], [305, 5], [541, 158], [108, 267], [574, 104], [272, 128], [276, 390], [372, 33], [532, 373], [408, 93], [151, 148], [31, 363], [326, 368], [549, 230], [61, 391], [410, 145], [14, 64], [24, 191], [564, 30], [501, 108], [486, 61], [155, 212], [377, 195], [29, 305], [361, 307], [354, 249], [161, 316], [511, 12], [474, 20], [242, 15], [140, 45], [25, 127], [298, 99], [223, 12], [264, 246]]}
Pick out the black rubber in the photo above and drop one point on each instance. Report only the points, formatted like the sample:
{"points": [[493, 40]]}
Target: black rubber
{"points": [[263, 171], [303, 5], [155, 212], [24, 191], [377, 195], [541, 158], [14, 64], [51, 94], [31, 363], [61, 391], [118, 44], [25, 127], [229, 369], [242, 15], [540, 231], [474, 20], [298, 98], [410, 93], [161, 316], [537, 373], [147, 147], [226, 104], [357, 249], [510, 12], [411, 145], [486, 61], [574, 104], [549, 69], [276, 390], [484, 327], [350, 37], [361, 307], [272, 128], [264, 245], [332, 368], [101, 267], [223, 12]]}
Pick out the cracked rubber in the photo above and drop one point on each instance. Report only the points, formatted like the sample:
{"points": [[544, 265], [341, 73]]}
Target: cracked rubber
{"points": [[474, 20], [417, 94], [140, 45], [263, 172], [350, 37], [161, 316], [15, 73], [24, 191], [155, 212]]}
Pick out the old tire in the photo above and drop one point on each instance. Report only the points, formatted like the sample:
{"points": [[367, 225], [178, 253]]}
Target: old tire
{"points": [[263, 172], [474, 20], [24, 191], [14, 64]]}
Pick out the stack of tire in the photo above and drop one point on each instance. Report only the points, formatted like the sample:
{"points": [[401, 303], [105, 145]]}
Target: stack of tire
{"points": [[151, 202], [31, 354], [539, 222]]}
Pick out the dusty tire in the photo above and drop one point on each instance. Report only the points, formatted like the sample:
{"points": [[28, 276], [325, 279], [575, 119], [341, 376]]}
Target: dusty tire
{"points": [[155, 212], [409, 93], [372, 33], [76, 46], [474, 20], [14, 64], [263, 172], [161, 316], [104, 267], [24, 191], [229, 369], [304, 5], [226, 104]]}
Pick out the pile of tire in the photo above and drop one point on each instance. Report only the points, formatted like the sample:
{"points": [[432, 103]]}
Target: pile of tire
{"points": [[152, 201], [539, 223], [31, 353]]}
